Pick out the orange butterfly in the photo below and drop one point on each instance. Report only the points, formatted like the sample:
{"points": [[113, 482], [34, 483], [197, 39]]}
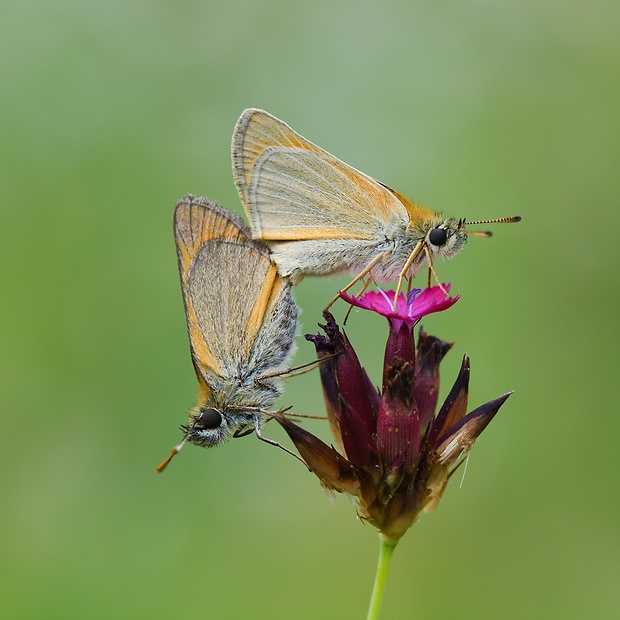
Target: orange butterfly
{"points": [[320, 216], [241, 319]]}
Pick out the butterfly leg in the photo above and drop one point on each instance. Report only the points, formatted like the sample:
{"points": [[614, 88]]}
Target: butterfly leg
{"points": [[431, 269], [409, 283], [273, 442], [357, 278], [420, 246], [243, 432], [364, 287], [307, 416], [294, 371]]}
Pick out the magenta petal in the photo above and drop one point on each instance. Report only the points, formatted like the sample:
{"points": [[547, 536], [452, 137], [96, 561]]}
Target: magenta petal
{"points": [[377, 301], [430, 300], [410, 308]]}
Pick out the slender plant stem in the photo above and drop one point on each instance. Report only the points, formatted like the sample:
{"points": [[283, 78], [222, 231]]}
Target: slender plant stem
{"points": [[386, 549]]}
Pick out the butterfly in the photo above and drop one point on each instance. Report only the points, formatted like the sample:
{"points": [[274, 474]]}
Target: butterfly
{"points": [[241, 320], [320, 216]]}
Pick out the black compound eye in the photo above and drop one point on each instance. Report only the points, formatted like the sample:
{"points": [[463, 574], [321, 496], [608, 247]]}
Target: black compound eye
{"points": [[438, 236], [209, 418]]}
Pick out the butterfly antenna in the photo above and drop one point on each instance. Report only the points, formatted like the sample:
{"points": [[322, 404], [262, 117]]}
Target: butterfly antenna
{"points": [[486, 233], [174, 451], [499, 220]]}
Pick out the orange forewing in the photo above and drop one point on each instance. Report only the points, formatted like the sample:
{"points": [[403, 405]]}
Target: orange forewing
{"points": [[257, 132], [193, 227]]}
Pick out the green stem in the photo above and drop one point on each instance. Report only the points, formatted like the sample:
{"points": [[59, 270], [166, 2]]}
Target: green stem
{"points": [[385, 555]]}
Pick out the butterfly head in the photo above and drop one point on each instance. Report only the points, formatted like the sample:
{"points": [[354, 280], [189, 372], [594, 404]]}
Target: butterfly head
{"points": [[208, 428], [446, 238]]}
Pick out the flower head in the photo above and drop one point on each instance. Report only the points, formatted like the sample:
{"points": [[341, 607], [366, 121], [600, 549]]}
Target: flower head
{"points": [[410, 308], [396, 455]]}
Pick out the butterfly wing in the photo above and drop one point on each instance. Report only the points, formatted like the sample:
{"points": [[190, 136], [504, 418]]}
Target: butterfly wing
{"points": [[235, 301], [293, 190]]}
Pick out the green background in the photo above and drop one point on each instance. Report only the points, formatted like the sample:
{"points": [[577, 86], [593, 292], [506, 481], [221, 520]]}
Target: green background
{"points": [[110, 112]]}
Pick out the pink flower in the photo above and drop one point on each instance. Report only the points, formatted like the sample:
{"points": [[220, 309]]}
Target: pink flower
{"points": [[410, 308]]}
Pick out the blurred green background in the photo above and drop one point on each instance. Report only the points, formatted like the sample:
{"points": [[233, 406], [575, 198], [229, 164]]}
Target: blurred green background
{"points": [[110, 112]]}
